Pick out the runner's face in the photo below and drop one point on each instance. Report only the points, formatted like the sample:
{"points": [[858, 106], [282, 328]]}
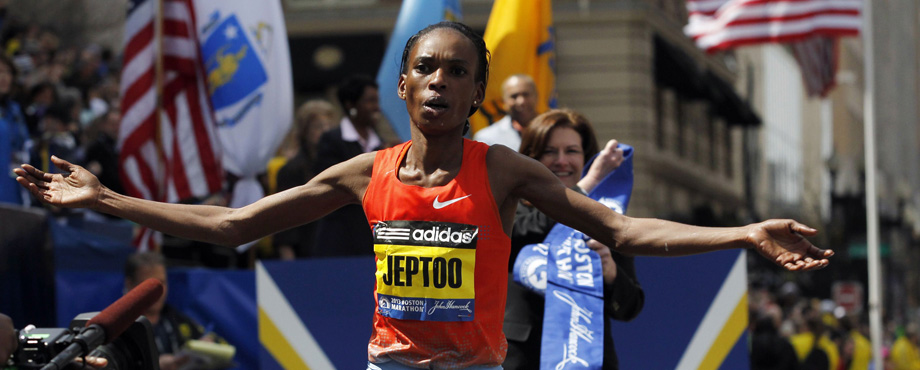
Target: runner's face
{"points": [[440, 85], [564, 155]]}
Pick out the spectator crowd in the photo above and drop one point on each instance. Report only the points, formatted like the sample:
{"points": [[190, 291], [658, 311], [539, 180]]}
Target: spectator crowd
{"points": [[791, 331], [56, 99]]}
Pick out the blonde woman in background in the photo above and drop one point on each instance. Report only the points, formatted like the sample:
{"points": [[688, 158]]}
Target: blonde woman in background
{"points": [[312, 119]]}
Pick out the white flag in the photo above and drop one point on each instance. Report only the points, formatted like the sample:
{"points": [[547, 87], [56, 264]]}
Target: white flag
{"points": [[245, 55]]}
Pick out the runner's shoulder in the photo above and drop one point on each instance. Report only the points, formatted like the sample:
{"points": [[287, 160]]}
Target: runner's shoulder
{"points": [[502, 155], [508, 162], [361, 165]]}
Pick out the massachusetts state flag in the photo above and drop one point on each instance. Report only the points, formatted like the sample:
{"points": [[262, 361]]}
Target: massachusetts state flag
{"points": [[245, 53], [234, 69]]}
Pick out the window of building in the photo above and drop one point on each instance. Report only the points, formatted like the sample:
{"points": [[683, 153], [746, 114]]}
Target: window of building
{"points": [[712, 140], [680, 120], [660, 114]]}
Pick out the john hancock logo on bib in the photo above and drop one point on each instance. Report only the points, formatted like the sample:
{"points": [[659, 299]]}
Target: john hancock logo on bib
{"points": [[425, 270]]}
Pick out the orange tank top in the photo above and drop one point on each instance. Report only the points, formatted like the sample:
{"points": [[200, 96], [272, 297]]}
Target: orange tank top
{"points": [[442, 258]]}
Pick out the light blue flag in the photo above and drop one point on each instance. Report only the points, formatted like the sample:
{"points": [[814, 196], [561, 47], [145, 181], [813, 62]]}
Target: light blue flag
{"points": [[413, 17]]}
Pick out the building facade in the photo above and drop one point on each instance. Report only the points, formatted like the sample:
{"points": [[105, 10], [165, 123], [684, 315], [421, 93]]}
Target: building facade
{"points": [[624, 64]]}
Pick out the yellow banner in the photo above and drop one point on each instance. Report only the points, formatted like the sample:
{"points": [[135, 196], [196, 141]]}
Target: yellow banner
{"points": [[521, 39]]}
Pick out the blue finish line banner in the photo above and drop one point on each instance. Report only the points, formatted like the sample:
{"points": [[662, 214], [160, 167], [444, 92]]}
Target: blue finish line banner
{"points": [[695, 314], [694, 317], [315, 313], [325, 308], [220, 300]]}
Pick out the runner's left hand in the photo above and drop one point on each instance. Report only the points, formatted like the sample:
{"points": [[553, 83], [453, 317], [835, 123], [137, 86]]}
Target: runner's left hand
{"points": [[783, 242]]}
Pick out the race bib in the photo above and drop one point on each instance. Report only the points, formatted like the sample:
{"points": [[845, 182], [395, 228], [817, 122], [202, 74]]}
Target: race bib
{"points": [[425, 270]]}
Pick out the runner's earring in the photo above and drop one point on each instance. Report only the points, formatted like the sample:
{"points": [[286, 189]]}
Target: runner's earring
{"points": [[353, 112]]}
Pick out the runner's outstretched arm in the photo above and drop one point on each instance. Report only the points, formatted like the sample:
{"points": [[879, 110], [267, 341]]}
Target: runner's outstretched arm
{"points": [[339, 185], [781, 241]]}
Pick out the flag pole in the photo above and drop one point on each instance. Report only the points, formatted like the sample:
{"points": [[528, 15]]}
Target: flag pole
{"points": [[872, 223], [158, 78]]}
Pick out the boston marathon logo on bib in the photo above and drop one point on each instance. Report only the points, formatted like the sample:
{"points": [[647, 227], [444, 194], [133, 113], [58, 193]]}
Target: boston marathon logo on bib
{"points": [[425, 270]]}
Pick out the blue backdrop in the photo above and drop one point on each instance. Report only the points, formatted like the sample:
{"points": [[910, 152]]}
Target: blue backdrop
{"points": [[678, 292], [221, 300], [333, 299]]}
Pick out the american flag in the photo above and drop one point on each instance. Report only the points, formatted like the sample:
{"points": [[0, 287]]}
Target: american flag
{"points": [[169, 148], [817, 57], [810, 26], [723, 24]]}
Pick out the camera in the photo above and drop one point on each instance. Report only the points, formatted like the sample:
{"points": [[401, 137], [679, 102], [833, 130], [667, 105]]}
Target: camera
{"points": [[37, 346], [133, 349]]}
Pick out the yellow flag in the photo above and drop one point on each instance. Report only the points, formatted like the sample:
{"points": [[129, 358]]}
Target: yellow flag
{"points": [[521, 38]]}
